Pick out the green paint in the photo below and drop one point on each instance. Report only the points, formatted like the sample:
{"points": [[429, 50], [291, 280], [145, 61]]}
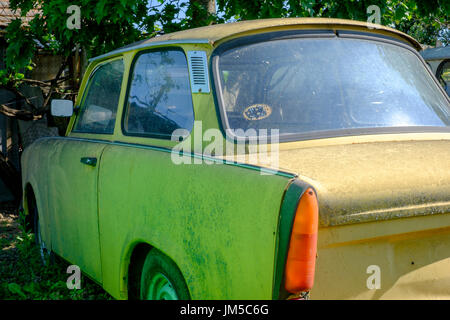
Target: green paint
{"points": [[218, 222]]}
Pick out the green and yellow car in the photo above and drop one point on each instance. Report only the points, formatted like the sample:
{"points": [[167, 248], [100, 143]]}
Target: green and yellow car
{"points": [[266, 159]]}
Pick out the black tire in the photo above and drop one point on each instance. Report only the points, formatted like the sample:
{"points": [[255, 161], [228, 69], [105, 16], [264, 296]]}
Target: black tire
{"points": [[46, 254], [155, 265]]}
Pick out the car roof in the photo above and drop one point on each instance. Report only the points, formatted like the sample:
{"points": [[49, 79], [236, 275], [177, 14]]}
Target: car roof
{"points": [[439, 53], [215, 34]]}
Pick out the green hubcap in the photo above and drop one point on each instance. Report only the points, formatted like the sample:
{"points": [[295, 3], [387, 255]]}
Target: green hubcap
{"points": [[160, 288]]}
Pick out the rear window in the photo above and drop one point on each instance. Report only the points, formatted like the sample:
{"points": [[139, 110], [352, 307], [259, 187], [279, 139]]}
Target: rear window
{"points": [[303, 86]]}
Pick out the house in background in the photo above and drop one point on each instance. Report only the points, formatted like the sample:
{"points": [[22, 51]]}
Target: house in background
{"points": [[439, 60], [9, 131], [16, 134]]}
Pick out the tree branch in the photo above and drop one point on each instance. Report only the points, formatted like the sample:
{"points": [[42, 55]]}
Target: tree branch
{"points": [[19, 114], [54, 83], [45, 83], [36, 113], [19, 94]]}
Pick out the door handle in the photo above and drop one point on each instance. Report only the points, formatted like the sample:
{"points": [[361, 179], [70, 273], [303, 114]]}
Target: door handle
{"points": [[89, 161]]}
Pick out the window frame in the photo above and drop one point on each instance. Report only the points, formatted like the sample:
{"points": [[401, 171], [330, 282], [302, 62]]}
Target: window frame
{"points": [[312, 34], [77, 109], [127, 94]]}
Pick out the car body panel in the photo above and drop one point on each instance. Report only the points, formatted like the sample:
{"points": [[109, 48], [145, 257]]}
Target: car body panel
{"points": [[80, 240], [195, 215], [411, 253], [36, 179], [372, 213], [75, 212], [356, 184]]}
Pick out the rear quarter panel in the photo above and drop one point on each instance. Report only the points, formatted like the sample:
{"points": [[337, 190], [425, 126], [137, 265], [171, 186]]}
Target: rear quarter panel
{"points": [[217, 222]]}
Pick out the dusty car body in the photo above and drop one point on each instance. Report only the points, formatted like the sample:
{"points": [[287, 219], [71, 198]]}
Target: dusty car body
{"points": [[109, 193]]}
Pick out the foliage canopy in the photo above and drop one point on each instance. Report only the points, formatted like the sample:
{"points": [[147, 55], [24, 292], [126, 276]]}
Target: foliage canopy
{"points": [[109, 24]]}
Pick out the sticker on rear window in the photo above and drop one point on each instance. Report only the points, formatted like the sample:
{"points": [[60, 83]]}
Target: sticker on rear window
{"points": [[257, 112]]}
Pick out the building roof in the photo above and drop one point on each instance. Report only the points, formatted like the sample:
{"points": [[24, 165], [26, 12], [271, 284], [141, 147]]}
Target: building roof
{"points": [[7, 14], [439, 53]]}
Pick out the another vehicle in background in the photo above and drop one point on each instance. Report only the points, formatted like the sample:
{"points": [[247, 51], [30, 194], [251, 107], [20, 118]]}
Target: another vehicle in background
{"points": [[439, 61]]}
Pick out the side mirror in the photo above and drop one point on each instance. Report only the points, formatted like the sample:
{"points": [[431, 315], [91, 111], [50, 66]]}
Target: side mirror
{"points": [[61, 108]]}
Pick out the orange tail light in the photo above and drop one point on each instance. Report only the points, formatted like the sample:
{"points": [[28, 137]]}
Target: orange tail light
{"points": [[301, 258]]}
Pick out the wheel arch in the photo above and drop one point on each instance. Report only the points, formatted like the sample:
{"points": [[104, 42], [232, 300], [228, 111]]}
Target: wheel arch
{"points": [[132, 268], [32, 199], [134, 260], [29, 204]]}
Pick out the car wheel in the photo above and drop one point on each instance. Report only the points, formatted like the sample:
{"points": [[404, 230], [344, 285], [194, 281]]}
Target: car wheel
{"points": [[161, 279], [45, 253]]}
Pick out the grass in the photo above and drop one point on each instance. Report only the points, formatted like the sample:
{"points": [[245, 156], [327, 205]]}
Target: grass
{"points": [[23, 275]]}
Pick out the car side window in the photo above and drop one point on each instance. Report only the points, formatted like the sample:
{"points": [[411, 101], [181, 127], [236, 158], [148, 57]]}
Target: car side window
{"points": [[159, 98], [99, 107]]}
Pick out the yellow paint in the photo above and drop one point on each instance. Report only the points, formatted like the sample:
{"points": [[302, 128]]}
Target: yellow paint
{"points": [[412, 254], [222, 32]]}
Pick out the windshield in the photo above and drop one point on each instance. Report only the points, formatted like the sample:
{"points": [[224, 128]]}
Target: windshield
{"points": [[312, 85]]}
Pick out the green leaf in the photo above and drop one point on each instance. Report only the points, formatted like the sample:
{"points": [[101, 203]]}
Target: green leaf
{"points": [[15, 289]]}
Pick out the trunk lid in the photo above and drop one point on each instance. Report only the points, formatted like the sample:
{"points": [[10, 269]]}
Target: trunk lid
{"points": [[375, 181]]}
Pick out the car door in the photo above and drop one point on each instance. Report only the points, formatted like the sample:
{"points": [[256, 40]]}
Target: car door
{"points": [[74, 168], [158, 102]]}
